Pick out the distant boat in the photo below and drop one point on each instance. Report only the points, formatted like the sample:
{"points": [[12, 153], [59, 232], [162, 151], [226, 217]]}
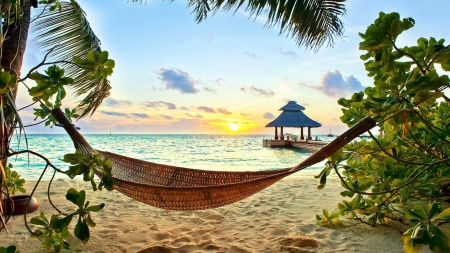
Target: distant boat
{"points": [[330, 135]]}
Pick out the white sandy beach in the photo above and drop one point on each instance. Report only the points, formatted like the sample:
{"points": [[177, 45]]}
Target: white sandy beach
{"points": [[279, 219]]}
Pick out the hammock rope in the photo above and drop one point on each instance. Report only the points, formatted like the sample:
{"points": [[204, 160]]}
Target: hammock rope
{"points": [[178, 188]]}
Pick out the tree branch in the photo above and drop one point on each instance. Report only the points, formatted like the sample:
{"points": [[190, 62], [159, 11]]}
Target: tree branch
{"points": [[429, 126], [410, 56], [396, 158], [435, 57], [392, 190]]}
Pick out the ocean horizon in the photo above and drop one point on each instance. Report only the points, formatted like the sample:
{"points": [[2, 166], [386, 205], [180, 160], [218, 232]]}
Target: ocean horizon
{"points": [[220, 152]]}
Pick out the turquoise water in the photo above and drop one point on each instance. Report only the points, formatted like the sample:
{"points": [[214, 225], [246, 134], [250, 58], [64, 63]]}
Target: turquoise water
{"points": [[212, 152]]}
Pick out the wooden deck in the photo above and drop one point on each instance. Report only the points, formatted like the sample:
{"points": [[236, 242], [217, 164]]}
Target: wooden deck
{"points": [[310, 145]]}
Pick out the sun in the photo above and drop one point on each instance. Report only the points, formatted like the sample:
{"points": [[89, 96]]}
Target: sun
{"points": [[233, 126]]}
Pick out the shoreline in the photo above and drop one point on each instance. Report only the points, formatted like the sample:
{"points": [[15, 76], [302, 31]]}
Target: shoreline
{"points": [[280, 218]]}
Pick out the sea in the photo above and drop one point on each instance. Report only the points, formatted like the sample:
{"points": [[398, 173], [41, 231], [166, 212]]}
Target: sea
{"points": [[201, 151]]}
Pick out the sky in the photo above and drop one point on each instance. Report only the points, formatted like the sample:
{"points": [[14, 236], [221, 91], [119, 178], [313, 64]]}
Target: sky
{"points": [[227, 75]]}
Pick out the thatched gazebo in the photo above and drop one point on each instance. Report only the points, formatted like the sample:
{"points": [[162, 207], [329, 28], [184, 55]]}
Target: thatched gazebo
{"points": [[292, 116]]}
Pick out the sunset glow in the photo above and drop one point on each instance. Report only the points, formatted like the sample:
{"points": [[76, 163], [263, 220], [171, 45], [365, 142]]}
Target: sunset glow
{"points": [[233, 126], [226, 75]]}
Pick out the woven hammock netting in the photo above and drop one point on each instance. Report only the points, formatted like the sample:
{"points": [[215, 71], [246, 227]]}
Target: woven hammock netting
{"points": [[178, 188]]}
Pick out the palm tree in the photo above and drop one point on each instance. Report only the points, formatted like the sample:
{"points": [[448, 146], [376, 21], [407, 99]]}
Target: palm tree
{"points": [[64, 32]]}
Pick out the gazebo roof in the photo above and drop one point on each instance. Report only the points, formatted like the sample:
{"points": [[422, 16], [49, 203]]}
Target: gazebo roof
{"points": [[292, 106], [292, 116]]}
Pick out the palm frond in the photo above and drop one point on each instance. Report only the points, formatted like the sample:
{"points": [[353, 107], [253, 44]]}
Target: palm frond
{"points": [[312, 23], [70, 30], [94, 98]]}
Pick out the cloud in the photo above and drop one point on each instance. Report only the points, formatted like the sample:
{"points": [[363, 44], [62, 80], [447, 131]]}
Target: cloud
{"points": [[166, 116], [141, 115], [252, 55], [259, 92], [194, 116], [160, 104], [118, 114], [185, 124], [209, 89], [223, 111], [268, 115], [176, 79], [206, 109], [286, 53], [245, 123], [218, 81], [244, 114], [113, 102], [184, 108], [334, 85]]}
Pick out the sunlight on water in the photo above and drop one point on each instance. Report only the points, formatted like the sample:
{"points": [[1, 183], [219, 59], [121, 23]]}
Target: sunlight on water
{"points": [[211, 152]]}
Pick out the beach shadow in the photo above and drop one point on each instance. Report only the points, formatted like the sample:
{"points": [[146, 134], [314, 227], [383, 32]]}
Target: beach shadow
{"points": [[155, 249], [298, 245]]}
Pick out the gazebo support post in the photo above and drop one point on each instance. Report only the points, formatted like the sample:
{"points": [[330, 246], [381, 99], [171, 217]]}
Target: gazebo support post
{"points": [[309, 133], [301, 134], [281, 134], [276, 133]]}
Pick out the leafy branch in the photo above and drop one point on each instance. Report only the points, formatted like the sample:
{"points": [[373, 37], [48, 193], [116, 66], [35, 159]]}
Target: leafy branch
{"points": [[409, 161]]}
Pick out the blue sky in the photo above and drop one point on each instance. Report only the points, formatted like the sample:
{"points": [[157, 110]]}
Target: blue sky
{"points": [[173, 75]]}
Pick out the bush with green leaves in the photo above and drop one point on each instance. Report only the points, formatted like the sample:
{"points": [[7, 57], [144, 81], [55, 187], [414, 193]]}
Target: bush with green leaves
{"points": [[14, 182], [403, 172], [9, 249], [53, 232]]}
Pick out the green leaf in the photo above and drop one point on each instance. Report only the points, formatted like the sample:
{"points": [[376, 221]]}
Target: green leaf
{"points": [[444, 215], [415, 214], [439, 242], [102, 57], [61, 223], [336, 156], [409, 246], [48, 243], [72, 196], [418, 232], [81, 231], [43, 217], [95, 208], [90, 222], [38, 221], [323, 179], [9, 249], [347, 194], [81, 199]]}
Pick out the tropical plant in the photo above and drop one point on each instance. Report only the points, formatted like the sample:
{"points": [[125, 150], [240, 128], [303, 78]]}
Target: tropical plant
{"points": [[13, 181], [9, 249], [76, 60], [403, 173]]}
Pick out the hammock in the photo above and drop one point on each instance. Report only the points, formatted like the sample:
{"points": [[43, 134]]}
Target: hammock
{"points": [[178, 188]]}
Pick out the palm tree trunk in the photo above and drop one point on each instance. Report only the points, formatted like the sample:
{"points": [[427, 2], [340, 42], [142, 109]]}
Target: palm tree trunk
{"points": [[13, 50], [15, 43]]}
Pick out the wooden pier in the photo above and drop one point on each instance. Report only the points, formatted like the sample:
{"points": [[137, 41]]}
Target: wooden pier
{"points": [[308, 145]]}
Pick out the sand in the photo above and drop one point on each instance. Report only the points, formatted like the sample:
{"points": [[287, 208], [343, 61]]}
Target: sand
{"points": [[280, 218]]}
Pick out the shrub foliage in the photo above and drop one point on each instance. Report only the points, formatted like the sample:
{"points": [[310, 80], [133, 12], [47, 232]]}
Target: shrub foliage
{"points": [[403, 172]]}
